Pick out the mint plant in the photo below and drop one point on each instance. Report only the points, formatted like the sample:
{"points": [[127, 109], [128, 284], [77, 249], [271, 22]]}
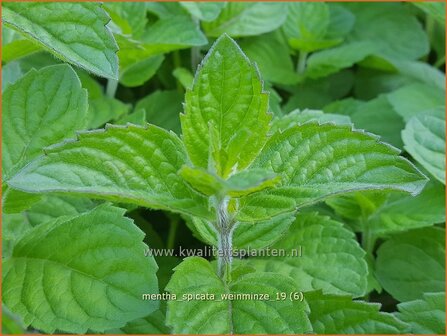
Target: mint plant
{"points": [[96, 179]]}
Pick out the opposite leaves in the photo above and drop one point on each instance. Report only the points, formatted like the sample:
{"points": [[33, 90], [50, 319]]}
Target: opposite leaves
{"points": [[74, 32]]}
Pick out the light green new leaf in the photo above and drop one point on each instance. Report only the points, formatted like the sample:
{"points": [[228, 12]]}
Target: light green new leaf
{"points": [[89, 284], [239, 19], [425, 316], [244, 183], [138, 117], [50, 96], [331, 260], [18, 49], [394, 31], [298, 117], [130, 164], [225, 121], [331, 314], [204, 11], [74, 32], [329, 61], [412, 263], [184, 76], [421, 71], [318, 161], [414, 99], [196, 276], [272, 57], [131, 16], [424, 139]]}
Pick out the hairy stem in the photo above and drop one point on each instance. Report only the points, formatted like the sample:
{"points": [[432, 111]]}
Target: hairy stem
{"points": [[225, 240], [112, 85], [301, 65]]}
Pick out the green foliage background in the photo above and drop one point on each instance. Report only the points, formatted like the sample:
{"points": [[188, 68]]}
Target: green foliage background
{"points": [[73, 241]]}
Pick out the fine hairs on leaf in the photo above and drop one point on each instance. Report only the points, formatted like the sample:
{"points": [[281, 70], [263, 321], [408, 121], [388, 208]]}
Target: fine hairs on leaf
{"points": [[223, 168]]}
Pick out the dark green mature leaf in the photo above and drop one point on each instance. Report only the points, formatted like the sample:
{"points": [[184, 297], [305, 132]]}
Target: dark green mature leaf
{"points": [[306, 26], [318, 161], [239, 316], [271, 54], [217, 135], [415, 99], [298, 117], [424, 139], [394, 30], [412, 263], [332, 260], [425, 316], [74, 32], [153, 324], [163, 109], [204, 11], [92, 291], [52, 95], [130, 164], [329, 61], [247, 18], [330, 314]]}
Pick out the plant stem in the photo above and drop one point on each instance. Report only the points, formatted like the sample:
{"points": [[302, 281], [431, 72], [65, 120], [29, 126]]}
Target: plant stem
{"points": [[173, 225], [177, 64], [301, 65], [368, 239], [225, 241], [112, 85]]}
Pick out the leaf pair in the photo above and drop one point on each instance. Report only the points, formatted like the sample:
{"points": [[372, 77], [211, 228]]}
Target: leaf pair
{"points": [[225, 130]]}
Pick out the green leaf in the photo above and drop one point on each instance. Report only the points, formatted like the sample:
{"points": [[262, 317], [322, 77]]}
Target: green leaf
{"points": [[196, 276], [83, 266], [139, 73], [272, 56], [50, 96], [171, 33], [401, 213], [11, 72], [18, 49], [217, 135], [414, 99], [318, 161], [298, 117], [424, 139], [332, 260], [204, 11], [306, 26], [425, 316], [105, 109], [421, 71], [130, 164], [247, 19], [244, 183], [163, 109], [341, 21], [412, 263], [331, 314], [329, 61], [11, 324], [52, 207], [153, 324], [137, 117], [184, 76], [376, 116], [393, 32], [14, 201], [74, 32], [436, 10], [132, 16]]}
